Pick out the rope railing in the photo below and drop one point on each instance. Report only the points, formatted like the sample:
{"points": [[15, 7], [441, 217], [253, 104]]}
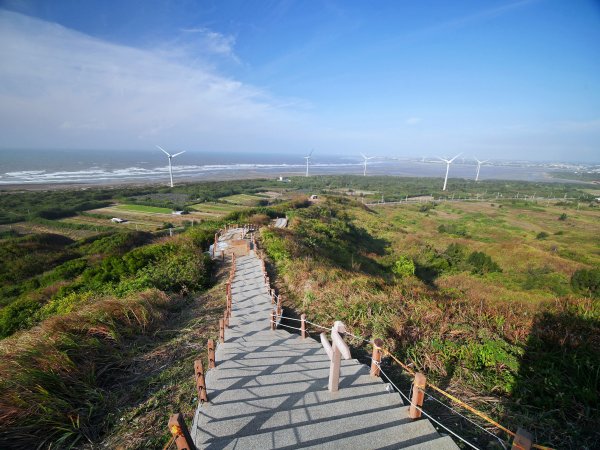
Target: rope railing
{"points": [[411, 372]]}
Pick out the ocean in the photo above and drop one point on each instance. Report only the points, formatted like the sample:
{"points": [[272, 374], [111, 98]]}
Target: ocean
{"points": [[31, 167]]}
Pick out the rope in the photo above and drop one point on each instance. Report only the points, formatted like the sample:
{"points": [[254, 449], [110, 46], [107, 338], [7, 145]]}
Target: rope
{"points": [[423, 412], [317, 325], [286, 326], [464, 417]]}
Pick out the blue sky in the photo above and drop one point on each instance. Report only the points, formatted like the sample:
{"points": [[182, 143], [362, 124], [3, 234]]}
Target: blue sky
{"points": [[496, 79]]}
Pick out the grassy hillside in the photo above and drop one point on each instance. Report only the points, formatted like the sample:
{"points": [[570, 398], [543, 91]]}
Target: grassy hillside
{"points": [[476, 295], [79, 331]]}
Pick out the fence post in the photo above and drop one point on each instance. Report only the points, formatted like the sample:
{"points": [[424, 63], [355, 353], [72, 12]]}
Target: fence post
{"points": [[221, 331], [523, 440], [179, 430], [272, 319], [211, 353], [225, 319], [376, 359], [418, 395], [222, 255], [200, 381], [303, 326]]}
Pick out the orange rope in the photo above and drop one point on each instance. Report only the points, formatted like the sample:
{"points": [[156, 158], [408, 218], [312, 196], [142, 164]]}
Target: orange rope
{"points": [[460, 402]]}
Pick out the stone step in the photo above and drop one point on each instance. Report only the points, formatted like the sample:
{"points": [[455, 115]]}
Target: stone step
{"points": [[385, 428]]}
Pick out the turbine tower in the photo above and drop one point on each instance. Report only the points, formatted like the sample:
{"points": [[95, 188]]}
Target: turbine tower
{"points": [[365, 159], [479, 163], [307, 158], [170, 158], [448, 162]]}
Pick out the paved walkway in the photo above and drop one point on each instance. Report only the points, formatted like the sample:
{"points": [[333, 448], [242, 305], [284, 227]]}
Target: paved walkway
{"points": [[269, 390]]}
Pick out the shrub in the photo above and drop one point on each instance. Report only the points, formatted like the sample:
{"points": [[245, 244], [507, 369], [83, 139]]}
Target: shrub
{"points": [[403, 267], [482, 263], [563, 216], [542, 235], [586, 281]]}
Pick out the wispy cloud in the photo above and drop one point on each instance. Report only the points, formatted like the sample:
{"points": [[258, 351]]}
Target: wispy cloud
{"points": [[62, 87], [213, 42]]}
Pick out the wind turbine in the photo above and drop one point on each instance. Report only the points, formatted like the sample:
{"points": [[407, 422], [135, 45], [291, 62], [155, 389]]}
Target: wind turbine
{"points": [[479, 163], [365, 158], [170, 158], [307, 158], [448, 162]]}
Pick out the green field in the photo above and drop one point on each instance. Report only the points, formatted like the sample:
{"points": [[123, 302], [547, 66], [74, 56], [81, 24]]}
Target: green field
{"points": [[144, 208], [243, 199], [219, 209]]}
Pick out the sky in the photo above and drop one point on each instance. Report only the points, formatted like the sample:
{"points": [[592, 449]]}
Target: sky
{"points": [[495, 79]]}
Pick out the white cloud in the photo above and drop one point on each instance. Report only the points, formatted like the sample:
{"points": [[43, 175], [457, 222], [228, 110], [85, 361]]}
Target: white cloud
{"points": [[413, 120], [59, 87]]}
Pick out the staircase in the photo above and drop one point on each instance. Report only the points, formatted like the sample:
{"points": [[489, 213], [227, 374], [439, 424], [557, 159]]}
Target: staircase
{"points": [[269, 389]]}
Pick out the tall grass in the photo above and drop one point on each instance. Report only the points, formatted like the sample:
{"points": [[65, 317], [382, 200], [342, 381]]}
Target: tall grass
{"points": [[55, 379]]}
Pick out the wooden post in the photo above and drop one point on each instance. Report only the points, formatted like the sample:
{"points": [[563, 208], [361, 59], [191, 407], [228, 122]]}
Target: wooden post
{"points": [[221, 331], [179, 430], [523, 440], [211, 354], [303, 326], [376, 359], [272, 319], [200, 381], [418, 395], [222, 255], [272, 296], [225, 319]]}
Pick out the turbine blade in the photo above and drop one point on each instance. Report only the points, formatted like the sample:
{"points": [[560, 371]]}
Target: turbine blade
{"points": [[176, 154], [362, 154], [455, 157], [163, 150]]}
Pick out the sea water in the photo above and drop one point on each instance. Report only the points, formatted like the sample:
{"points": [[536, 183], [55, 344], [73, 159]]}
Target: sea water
{"points": [[24, 167]]}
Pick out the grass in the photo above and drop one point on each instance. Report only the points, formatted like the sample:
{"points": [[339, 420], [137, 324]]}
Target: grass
{"points": [[215, 209], [144, 208], [243, 199]]}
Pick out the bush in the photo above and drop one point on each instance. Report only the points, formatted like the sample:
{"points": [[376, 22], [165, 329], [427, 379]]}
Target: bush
{"points": [[586, 281], [403, 267], [482, 263], [563, 216], [542, 235]]}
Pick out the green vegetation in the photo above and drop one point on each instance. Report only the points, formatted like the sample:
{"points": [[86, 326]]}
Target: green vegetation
{"points": [[463, 290], [481, 311], [144, 208]]}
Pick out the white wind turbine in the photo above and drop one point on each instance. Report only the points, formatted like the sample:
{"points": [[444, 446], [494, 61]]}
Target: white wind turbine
{"points": [[307, 158], [479, 163], [170, 158], [365, 159], [448, 162]]}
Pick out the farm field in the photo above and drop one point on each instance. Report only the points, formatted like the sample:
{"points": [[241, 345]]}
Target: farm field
{"points": [[243, 199], [215, 209], [144, 208], [143, 220], [25, 228]]}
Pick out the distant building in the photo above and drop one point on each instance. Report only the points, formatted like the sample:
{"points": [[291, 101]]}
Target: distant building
{"points": [[179, 213], [284, 180], [117, 220]]}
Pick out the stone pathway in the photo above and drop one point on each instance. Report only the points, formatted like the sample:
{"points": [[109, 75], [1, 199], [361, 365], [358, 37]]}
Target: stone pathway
{"points": [[269, 389]]}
